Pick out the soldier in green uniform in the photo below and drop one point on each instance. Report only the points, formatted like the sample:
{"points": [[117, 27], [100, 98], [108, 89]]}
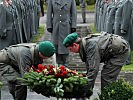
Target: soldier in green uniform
{"points": [[61, 20], [112, 50], [18, 59], [7, 29], [122, 22], [42, 8], [83, 9]]}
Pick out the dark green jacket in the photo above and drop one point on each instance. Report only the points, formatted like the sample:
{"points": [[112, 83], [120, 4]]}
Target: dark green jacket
{"points": [[22, 56], [104, 48]]}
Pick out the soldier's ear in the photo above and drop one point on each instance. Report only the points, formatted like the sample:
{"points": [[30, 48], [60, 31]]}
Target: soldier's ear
{"points": [[78, 40], [75, 44]]}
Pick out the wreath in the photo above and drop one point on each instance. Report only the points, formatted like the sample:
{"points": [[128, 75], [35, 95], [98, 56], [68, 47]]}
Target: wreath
{"points": [[50, 80]]}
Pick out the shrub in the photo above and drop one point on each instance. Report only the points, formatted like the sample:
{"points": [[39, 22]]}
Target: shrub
{"points": [[120, 90]]}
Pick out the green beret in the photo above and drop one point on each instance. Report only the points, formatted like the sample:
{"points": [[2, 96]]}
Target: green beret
{"points": [[70, 39], [46, 48]]}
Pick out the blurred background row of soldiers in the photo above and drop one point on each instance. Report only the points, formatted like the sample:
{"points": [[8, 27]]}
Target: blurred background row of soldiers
{"points": [[83, 5], [19, 21], [116, 17]]}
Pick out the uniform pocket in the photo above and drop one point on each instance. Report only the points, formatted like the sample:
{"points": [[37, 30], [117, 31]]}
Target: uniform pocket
{"points": [[10, 74], [119, 45]]}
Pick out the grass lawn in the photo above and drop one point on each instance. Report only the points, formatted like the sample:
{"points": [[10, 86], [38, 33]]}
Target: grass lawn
{"points": [[128, 67], [90, 8], [44, 6], [93, 28], [40, 33], [125, 67]]}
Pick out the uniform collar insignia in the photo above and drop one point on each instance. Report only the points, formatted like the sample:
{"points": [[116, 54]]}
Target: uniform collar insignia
{"points": [[64, 3]]}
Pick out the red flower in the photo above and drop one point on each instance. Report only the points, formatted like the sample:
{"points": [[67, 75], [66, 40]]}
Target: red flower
{"points": [[51, 67], [51, 72], [41, 67], [57, 75], [62, 67], [65, 73]]}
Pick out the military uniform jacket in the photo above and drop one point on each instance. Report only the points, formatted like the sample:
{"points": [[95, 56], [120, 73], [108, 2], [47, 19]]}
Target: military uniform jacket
{"points": [[130, 31], [110, 20], [6, 26], [123, 20], [61, 17], [101, 49], [22, 56]]}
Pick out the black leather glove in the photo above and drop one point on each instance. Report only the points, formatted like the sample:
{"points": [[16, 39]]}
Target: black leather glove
{"points": [[36, 88], [73, 30], [84, 91], [3, 34], [50, 30]]}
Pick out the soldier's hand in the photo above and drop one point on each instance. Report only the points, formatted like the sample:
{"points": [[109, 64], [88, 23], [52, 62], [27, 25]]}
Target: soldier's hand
{"points": [[3, 36], [50, 30], [73, 30], [123, 31]]}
